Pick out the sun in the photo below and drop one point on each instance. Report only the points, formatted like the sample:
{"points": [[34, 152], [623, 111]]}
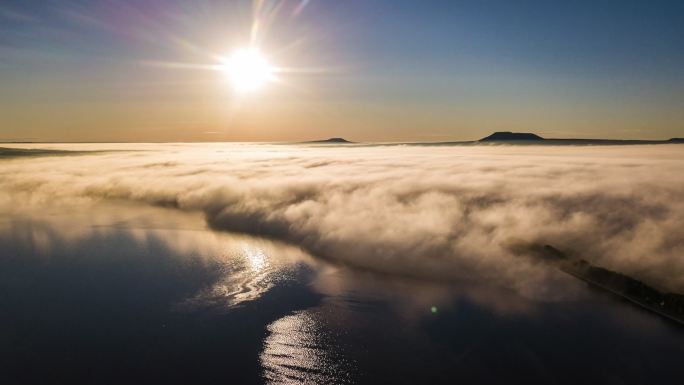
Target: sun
{"points": [[248, 70]]}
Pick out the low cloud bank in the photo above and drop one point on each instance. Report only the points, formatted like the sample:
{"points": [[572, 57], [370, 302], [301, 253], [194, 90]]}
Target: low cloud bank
{"points": [[443, 213]]}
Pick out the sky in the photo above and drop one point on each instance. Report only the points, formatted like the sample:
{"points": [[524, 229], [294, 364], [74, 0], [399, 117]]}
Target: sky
{"points": [[381, 70]]}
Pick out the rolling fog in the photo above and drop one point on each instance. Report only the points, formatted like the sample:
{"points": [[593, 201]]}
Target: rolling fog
{"points": [[436, 213]]}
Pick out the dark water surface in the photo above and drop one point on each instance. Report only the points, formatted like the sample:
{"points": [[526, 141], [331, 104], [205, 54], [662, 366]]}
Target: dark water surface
{"points": [[139, 301]]}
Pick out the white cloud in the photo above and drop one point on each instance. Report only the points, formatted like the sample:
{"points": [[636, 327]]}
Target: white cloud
{"points": [[434, 212]]}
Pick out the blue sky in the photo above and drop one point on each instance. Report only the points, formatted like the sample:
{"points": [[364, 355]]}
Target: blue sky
{"points": [[372, 70]]}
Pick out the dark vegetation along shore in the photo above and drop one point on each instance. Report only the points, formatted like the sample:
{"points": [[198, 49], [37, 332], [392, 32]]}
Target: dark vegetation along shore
{"points": [[28, 152], [667, 305]]}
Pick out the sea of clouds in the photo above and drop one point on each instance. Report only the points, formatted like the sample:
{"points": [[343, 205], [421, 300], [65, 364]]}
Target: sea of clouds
{"points": [[432, 212]]}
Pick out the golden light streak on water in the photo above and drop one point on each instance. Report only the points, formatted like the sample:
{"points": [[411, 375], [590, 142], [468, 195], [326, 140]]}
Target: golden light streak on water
{"points": [[249, 272], [300, 349]]}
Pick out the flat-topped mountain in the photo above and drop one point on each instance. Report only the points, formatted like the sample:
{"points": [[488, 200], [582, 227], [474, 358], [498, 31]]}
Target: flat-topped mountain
{"points": [[530, 138], [507, 135], [331, 141]]}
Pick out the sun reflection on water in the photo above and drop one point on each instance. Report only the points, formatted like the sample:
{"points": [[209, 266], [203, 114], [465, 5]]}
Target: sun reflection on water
{"points": [[256, 258], [300, 349], [249, 271], [250, 275]]}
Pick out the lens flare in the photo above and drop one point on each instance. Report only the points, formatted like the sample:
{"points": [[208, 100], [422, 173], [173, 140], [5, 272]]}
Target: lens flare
{"points": [[248, 70]]}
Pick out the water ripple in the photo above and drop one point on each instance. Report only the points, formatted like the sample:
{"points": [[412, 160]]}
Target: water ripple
{"points": [[300, 349]]}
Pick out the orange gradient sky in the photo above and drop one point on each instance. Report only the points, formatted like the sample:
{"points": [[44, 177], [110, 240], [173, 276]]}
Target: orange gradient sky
{"points": [[386, 71]]}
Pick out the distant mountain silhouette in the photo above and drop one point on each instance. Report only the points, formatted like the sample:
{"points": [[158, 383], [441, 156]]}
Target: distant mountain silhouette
{"points": [[332, 141], [508, 136], [530, 138]]}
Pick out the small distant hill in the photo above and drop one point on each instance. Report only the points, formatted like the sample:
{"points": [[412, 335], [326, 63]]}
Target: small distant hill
{"points": [[519, 138], [331, 141], [530, 138], [510, 136]]}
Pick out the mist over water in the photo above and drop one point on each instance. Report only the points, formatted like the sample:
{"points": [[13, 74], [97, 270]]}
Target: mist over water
{"points": [[251, 263], [432, 213]]}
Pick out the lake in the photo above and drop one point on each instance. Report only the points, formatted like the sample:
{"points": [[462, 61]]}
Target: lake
{"points": [[129, 294]]}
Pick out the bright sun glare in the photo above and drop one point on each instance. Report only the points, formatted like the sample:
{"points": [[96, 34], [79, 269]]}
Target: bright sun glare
{"points": [[248, 69]]}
